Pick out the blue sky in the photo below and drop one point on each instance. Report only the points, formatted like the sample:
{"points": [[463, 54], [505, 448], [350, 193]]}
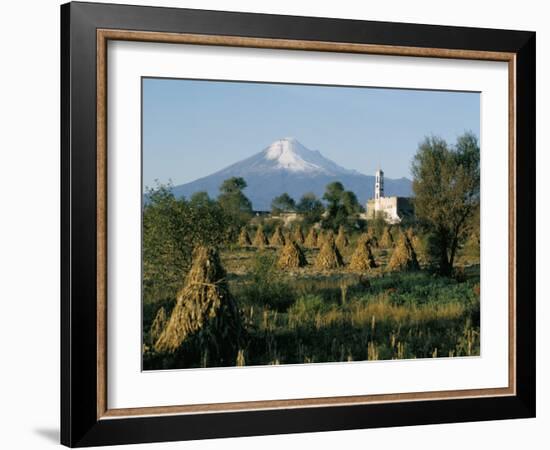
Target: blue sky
{"points": [[194, 128]]}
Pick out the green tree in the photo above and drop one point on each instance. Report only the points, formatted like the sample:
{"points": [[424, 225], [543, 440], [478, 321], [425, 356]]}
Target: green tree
{"points": [[201, 199], [446, 187], [283, 203], [233, 184], [341, 205], [333, 194], [171, 229], [311, 208], [235, 204], [350, 203]]}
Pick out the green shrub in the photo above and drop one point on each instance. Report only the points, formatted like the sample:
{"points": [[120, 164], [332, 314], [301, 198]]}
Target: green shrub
{"points": [[265, 285], [309, 304]]}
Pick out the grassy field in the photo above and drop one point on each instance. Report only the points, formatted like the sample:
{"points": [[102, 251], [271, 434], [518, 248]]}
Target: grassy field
{"points": [[307, 315]]}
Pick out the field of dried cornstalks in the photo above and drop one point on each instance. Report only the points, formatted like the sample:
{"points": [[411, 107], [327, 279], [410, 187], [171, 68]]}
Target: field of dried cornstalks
{"points": [[328, 299]]}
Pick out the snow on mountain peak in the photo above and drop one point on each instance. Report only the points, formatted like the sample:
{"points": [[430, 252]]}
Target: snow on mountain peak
{"points": [[287, 155], [291, 155]]}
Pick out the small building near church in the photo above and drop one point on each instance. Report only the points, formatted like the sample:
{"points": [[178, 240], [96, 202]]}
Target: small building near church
{"points": [[286, 217], [392, 209]]}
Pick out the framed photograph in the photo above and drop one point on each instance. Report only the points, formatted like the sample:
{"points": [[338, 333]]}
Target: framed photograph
{"points": [[277, 224]]}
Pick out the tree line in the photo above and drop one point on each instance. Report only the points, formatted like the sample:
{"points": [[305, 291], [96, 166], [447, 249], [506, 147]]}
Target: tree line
{"points": [[340, 205]]}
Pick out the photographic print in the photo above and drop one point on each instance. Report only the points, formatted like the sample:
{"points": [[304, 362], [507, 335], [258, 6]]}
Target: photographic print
{"points": [[290, 206], [301, 224]]}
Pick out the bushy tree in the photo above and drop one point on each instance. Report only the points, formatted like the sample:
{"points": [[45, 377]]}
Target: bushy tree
{"points": [[311, 208], [201, 199], [341, 205], [235, 204], [350, 203], [333, 194], [446, 187], [284, 203], [171, 229]]}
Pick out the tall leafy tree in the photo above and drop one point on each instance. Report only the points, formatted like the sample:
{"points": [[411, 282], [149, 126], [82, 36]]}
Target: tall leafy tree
{"points": [[350, 203], [235, 204], [311, 208], [446, 188], [333, 195], [341, 205], [283, 203]]}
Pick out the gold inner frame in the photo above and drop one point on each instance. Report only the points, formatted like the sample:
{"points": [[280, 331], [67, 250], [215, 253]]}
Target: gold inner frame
{"points": [[104, 35]]}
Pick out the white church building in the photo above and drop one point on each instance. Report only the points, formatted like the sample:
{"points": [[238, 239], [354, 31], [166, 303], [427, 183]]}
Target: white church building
{"points": [[391, 209]]}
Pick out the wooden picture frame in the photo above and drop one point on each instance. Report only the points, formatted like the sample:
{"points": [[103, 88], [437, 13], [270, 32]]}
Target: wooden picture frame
{"points": [[86, 418]]}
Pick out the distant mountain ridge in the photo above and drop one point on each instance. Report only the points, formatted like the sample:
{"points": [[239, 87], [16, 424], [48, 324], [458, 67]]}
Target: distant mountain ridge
{"points": [[288, 166]]}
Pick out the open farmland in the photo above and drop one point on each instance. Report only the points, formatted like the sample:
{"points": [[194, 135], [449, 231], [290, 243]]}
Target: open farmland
{"points": [[308, 315]]}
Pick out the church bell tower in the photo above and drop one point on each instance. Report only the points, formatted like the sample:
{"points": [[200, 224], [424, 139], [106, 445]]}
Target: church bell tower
{"points": [[379, 185]]}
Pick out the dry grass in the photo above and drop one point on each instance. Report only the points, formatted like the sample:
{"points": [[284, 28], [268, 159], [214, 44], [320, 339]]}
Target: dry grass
{"points": [[381, 310], [404, 256], [329, 256], [387, 239], [291, 257], [203, 303], [244, 238], [362, 315], [312, 238], [299, 235], [372, 239], [342, 240], [418, 246], [326, 236], [277, 239], [260, 239], [158, 324], [241, 361], [362, 259]]}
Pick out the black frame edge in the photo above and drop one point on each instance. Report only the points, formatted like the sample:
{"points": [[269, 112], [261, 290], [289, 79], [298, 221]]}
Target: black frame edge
{"points": [[78, 218], [65, 416], [525, 223], [79, 425]]}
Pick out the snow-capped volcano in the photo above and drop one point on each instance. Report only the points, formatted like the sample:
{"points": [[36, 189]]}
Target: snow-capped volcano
{"points": [[288, 166], [287, 155]]}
